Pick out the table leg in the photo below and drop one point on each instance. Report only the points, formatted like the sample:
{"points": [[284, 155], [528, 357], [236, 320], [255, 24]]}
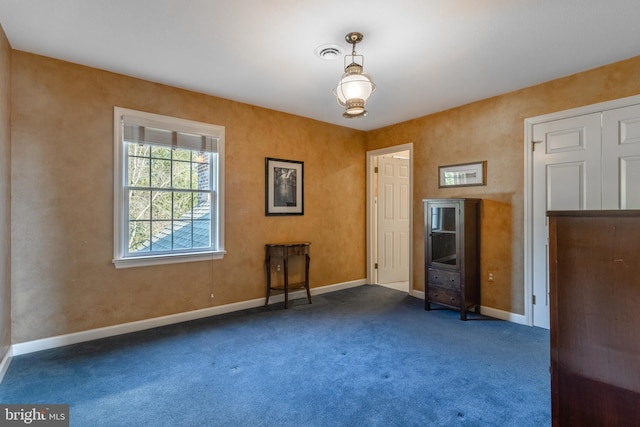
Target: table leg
{"points": [[286, 282], [267, 263], [306, 276]]}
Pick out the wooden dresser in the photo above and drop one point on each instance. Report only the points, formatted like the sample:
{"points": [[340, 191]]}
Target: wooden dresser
{"points": [[594, 277]]}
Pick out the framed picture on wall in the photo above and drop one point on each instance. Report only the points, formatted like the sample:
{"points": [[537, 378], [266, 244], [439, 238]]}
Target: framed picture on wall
{"points": [[284, 187], [463, 175]]}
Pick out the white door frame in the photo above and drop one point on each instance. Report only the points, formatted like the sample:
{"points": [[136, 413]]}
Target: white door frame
{"points": [[528, 184], [371, 209]]}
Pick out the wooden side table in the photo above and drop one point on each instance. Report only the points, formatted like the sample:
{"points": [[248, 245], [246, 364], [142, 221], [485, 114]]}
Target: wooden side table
{"points": [[284, 251]]}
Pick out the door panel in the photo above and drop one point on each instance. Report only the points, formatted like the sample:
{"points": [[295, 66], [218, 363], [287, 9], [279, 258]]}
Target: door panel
{"points": [[620, 158], [629, 183], [565, 186], [557, 141], [393, 220]]}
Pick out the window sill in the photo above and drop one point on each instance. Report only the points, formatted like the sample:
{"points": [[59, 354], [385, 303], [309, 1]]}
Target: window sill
{"points": [[144, 261]]}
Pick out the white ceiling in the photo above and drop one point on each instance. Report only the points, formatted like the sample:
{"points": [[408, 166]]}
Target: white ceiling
{"points": [[424, 55]]}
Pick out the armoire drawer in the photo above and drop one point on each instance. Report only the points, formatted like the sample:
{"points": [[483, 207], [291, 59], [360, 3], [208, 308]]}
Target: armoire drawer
{"points": [[444, 296], [443, 278]]}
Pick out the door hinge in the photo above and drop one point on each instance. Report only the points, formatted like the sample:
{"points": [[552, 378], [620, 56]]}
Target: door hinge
{"points": [[534, 299], [533, 145], [375, 170], [375, 266]]}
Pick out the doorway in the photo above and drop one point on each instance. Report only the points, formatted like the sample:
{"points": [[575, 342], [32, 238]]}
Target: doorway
{"points": [[389, 217]]}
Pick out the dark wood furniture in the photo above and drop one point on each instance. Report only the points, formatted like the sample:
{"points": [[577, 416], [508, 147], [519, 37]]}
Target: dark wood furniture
{"points": [[594, 278], [284, 251], [452, 251]]}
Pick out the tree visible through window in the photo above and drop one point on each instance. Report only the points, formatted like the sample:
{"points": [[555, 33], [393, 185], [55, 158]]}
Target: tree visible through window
{"points": [[170, 195]]}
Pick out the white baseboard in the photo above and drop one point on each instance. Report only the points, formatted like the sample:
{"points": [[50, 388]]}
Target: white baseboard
{"points": [[417, 294], [333, 288], [125, 328], [5, 362], [503, 315], [487, 311]]}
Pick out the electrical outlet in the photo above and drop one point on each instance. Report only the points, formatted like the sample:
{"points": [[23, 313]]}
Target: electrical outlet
{"points": [[490, 276], [211, 297], [278, 267]]}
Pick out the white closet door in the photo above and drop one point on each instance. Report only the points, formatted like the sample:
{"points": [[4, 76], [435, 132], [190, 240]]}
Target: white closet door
{"points": [[566, 176]]}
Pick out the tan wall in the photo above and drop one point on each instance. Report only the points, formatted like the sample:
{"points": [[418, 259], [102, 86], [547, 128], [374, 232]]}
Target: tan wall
{"points": [[5, 194], [493, 130], [63, 278], [62, 203]]}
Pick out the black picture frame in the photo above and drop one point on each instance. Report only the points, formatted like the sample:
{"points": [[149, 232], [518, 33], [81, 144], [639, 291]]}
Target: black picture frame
{"points": [[284, 187]]}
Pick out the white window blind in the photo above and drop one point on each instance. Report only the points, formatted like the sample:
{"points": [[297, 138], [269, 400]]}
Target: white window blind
{"points": [[142, 132]]}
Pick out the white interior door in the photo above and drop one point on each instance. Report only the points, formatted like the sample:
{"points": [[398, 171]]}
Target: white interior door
{"points": [[566, 176], [393, 219]]}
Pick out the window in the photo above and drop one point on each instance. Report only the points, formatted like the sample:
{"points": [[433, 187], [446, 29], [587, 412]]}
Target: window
{"points": [[168, 195]]}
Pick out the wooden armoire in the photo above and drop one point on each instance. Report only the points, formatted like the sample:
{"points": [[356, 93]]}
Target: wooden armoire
{"points": [[594, 277], [452, 254]]}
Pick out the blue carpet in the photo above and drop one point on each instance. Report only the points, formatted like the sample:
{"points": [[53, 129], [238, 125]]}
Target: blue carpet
{"points": [[366, 356]]}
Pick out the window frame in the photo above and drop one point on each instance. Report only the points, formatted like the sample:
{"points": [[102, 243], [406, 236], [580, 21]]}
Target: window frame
{"points": [[121, 259]]}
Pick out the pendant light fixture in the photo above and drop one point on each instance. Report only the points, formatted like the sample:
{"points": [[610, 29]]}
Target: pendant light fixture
{"points": [[354, 87]]}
